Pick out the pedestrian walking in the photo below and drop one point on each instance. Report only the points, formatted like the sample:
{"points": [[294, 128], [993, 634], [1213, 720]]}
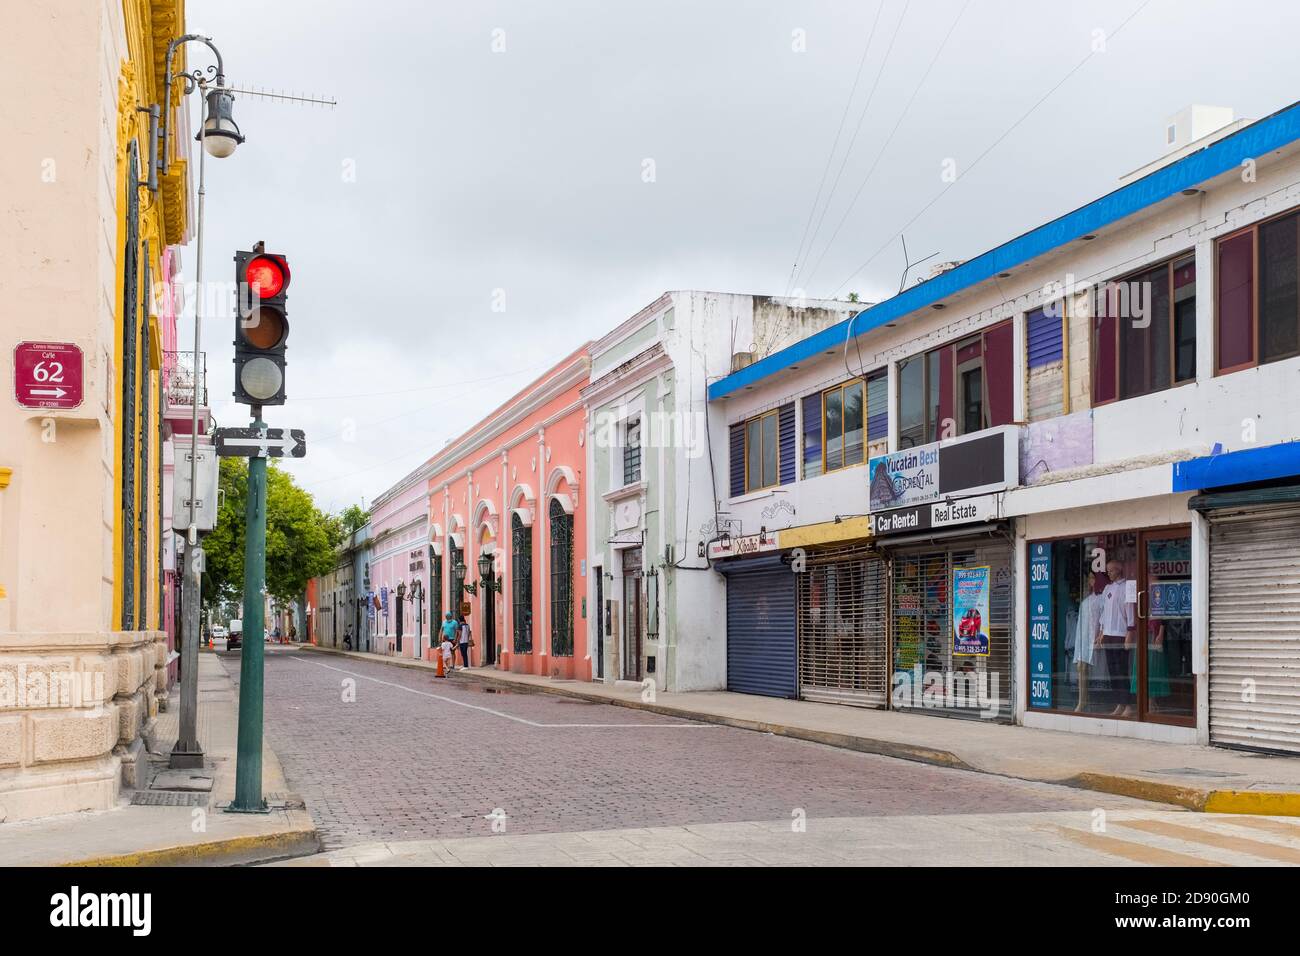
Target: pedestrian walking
{"points": [[448, 656], [466, 641]]}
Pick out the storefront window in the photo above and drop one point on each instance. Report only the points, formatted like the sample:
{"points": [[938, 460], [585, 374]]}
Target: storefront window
{"points": [[951, 630], [1110, 626]]}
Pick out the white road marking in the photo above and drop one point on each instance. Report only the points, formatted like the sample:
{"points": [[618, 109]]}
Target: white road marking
{"points": [[498, 713]]}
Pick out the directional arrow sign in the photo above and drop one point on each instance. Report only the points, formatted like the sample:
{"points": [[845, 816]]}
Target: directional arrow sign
{"points": [[259, 443]]}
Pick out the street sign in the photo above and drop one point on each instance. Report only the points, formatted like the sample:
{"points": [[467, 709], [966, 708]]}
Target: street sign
{"points": [[205, 498], [259, 443], [48, 375]]}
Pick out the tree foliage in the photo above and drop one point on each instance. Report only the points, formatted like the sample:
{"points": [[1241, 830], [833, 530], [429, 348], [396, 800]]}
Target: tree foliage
{"points": [[300, 538], [354, 517]]}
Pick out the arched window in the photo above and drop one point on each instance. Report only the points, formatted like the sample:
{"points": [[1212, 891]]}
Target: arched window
{"points": [[561, 581], [521, 584]]}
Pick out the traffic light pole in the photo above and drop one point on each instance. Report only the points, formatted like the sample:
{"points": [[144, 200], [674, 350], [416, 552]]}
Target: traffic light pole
{"points": [[248, 767]]}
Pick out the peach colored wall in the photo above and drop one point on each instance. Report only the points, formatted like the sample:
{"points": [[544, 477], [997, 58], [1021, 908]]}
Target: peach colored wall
{"points": [[538, 457]]}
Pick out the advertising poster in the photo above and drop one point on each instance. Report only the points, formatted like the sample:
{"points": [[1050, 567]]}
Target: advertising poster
{"points": [[1171, 599], [1040, 625], [907, 477], [970, 611]]}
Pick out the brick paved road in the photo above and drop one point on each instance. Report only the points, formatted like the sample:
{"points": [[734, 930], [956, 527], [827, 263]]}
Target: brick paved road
{"points": [[414, 757]]}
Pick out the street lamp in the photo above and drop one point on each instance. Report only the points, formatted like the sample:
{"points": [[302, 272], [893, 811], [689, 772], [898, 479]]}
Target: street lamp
{"points": [[218, 135], [484, 565]]}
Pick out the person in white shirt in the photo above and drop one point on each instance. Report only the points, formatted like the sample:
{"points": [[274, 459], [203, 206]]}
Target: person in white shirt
{"points": [[448, 657], [1118, 634]]}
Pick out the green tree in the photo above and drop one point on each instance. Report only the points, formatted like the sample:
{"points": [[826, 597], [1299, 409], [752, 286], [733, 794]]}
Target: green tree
{"points": [[300, 538], [354, 517]]}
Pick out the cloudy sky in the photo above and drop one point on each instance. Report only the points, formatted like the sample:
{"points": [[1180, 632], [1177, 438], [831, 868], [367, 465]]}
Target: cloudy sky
{"points": [[571, 161]]}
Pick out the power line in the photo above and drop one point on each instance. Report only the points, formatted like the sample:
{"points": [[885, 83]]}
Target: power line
{"points": [[834, 145], [884, 62], [889, 139], [924, 209]]}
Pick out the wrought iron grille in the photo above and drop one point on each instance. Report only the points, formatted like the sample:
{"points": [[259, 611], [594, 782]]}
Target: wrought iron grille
{"points": [[146, 428], [181, 380], [521, 584], [457, 558], [632, 453], [435, 592], [843, 628], [561, 581], [130, 318]]}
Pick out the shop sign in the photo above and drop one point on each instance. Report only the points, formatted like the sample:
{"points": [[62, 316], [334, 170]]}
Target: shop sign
{"points": [[941, 514], [970, 611], [1040, 625], [738, 547], [905, 477], [416, 561], [1169, 558], [967, 466]]}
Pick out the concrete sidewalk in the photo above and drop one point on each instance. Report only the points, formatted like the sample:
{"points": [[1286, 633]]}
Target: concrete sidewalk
{"points": [[172, 824], [1210, 779]]}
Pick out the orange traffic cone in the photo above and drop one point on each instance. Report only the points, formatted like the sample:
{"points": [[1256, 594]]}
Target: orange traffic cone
{"points": [[437, 655]]}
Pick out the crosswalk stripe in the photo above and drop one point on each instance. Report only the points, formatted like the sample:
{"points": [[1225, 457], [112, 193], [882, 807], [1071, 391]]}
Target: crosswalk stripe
{"points": [[1291, 830], [1269, 851], [1137, 852]]}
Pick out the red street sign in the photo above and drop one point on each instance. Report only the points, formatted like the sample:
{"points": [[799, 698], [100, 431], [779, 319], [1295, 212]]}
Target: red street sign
{"points": [[48, 374]]}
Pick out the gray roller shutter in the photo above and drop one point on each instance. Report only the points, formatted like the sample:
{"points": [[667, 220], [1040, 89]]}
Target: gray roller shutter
{"points": [[1255, 628], [760, 632]]}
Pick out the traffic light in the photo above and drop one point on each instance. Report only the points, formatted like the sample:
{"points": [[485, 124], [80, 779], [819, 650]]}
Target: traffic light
{"points": [[261, 326]]}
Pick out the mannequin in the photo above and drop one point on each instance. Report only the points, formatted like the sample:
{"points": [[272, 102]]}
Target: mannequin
{"points": [[1087, 635], [1119, 634]]}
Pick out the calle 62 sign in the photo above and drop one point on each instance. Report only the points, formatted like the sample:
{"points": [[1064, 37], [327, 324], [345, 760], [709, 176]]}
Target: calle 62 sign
{"points": [[48, 375]]}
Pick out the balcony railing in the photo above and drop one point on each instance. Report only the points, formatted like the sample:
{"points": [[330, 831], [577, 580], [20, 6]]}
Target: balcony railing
{"points": [[180, 378]]}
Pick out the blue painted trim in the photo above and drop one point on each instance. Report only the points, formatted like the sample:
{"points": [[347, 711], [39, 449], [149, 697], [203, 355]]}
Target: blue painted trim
{"points": [[1264, 136], [1238, 467]]}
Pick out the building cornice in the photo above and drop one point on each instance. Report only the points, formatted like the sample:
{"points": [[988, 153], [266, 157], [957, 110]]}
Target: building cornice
{"points": [[519, 409], [630, 325], [639, 368]]}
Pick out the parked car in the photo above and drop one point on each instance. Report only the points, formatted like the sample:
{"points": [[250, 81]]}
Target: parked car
{"points": [[236, 633]]}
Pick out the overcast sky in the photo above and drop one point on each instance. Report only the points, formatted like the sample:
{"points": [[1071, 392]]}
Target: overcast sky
{"points": [[483, 146]]}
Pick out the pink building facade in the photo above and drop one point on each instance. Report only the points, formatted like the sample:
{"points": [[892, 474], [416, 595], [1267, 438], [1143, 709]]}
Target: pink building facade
{"points": [[398, 618], [507, 529]]}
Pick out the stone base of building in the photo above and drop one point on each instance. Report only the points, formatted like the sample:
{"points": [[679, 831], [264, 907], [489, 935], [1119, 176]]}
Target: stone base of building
{"points": [[75, 710]]}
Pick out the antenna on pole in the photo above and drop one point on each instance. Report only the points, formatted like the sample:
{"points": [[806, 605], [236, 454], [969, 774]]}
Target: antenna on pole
{"points": [[284, 97]]}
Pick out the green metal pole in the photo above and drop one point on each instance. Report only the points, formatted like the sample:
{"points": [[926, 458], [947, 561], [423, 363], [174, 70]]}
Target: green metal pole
{"points": [[248, 766]]}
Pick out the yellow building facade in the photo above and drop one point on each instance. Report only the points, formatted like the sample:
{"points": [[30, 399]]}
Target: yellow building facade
{"points": [[82, 655]]}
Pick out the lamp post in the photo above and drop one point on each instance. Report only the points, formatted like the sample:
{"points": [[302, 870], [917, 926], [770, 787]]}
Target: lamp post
{"points": [[218, 135]]}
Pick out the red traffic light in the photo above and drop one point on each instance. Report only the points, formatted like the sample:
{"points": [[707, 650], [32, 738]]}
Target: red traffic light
{"points": [[266, 276]]}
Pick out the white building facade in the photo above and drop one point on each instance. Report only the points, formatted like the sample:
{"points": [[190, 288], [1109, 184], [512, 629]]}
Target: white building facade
{"points": [[1056, 484], [653, 490]]}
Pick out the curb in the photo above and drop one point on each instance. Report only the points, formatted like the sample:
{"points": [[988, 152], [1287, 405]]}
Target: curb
{"points": [[1201, 800], [243, 850]]}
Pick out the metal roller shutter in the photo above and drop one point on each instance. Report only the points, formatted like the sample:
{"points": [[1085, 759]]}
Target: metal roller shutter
{"points": [[844, 628], [760, 632], [1255, 628]]}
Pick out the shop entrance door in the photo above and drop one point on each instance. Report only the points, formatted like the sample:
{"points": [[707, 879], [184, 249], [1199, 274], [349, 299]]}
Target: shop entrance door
{"points": [[632, 619], [1161, 668], [599, 575]]}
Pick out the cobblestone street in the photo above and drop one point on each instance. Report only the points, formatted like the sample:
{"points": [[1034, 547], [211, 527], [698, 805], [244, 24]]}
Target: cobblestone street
{"points": [[416, 758]]}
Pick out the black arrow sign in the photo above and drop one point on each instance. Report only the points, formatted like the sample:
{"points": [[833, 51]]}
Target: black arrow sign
{"points": [[259, 443]]}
